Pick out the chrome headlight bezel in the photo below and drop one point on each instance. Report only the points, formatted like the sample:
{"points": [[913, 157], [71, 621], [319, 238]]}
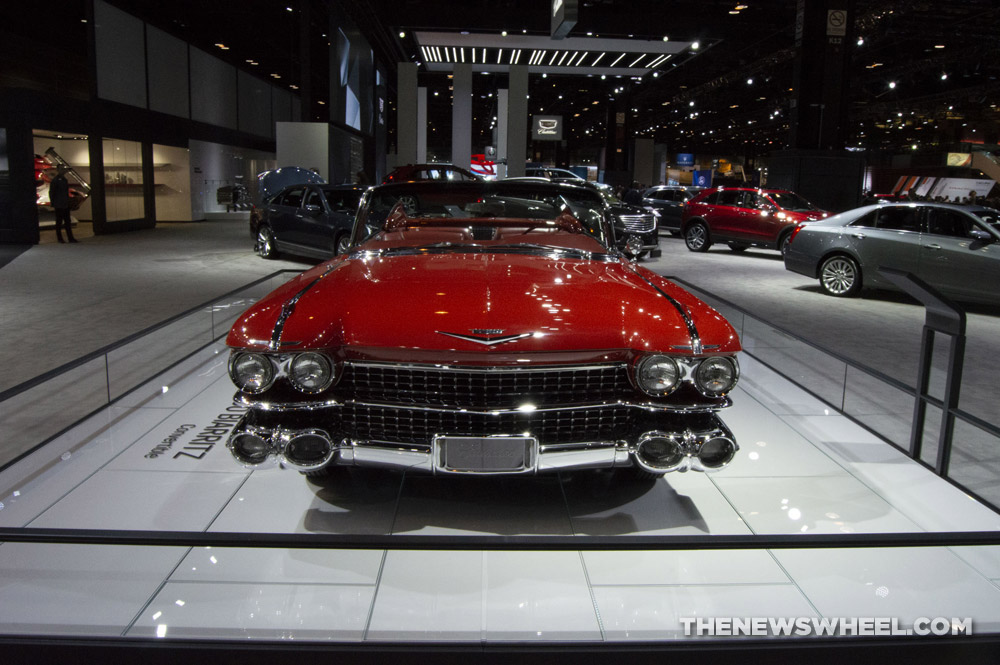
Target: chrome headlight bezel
{"points": [[711, 387], [327, 366], [266, 369], [646, 364]]}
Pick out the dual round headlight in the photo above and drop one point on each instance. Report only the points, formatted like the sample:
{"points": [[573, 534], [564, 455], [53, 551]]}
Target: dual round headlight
{"points": [[659, 375], [308, 372], [252, 372], [716, 376]]}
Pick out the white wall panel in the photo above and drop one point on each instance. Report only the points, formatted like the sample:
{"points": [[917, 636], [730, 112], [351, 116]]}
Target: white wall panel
{"points": [[255, 105], [213, 90], [168, 73], [121, 55], [281, 107]]}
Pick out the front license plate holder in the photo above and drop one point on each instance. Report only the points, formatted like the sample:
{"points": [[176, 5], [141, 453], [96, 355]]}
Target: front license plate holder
{"points": [[485, 454]]}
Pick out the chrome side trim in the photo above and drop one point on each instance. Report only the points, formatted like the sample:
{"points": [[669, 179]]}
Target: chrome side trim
{"points": [[696, 347], [244, 400], [289, 307], [487, 368]]}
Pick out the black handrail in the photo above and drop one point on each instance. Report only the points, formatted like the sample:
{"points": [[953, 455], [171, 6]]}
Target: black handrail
{"points": [[496, 542]]}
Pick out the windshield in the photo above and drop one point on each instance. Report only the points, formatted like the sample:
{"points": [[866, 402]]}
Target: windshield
{"points": [[791, 201], [482, 206]]}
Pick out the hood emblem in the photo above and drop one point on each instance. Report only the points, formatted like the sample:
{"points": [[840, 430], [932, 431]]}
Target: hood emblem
{"points": [[486, 336]]}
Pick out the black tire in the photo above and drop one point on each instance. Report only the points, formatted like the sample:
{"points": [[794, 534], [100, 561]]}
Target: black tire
{"points": [[840, 276], [265, 243], [696, 237], [783, 242], [738, 247]]}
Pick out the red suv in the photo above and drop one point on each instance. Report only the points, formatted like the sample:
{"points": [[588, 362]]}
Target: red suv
{"points": [[743, 217]]}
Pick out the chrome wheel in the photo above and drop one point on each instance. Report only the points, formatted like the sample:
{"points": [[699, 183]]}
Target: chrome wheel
{"points": [[840, 276], [343, 243], [265, 243], [696, 238], [409, 204]]}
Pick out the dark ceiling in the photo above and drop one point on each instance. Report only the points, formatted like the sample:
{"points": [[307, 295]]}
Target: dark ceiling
{"points": [[942, 58]]}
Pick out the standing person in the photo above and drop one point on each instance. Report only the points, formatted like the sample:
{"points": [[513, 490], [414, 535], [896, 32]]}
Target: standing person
{"points": [[59, 197]]}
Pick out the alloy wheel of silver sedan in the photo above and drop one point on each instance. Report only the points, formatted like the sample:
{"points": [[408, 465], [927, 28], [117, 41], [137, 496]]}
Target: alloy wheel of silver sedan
{"points": [[840, 276], [696, 237]]}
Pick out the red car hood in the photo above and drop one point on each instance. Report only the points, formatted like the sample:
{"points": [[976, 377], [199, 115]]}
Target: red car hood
{"points": [[404, 303]]}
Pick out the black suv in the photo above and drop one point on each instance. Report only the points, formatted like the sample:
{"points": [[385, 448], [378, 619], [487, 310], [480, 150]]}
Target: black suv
{"points": [[669, 200]]}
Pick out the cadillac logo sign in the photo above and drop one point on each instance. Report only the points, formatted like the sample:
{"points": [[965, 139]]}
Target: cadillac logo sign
{"points": [[547, 128]]}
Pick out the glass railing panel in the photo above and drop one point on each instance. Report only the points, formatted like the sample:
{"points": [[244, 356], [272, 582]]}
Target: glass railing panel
{"points": [[975, 461], [30, 417], [804, 364], [882, 407], [136, 362]]}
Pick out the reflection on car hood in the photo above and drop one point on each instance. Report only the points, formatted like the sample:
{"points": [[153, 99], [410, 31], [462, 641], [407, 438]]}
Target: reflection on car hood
{"points": [[407, 303]]}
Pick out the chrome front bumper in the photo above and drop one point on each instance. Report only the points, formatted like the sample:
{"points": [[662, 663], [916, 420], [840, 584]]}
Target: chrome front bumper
{"points": [[658, 452]]}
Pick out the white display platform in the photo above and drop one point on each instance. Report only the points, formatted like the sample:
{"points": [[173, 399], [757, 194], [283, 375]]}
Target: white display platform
{"points": [[801, 469]]}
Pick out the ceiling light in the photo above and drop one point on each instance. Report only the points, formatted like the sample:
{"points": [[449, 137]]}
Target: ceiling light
{"points": [[892, 85], [503, 34], [939, 46], [223, 47], [695, 46], [402, 35]]}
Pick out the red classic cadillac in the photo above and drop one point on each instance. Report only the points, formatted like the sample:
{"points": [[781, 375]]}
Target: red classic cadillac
{"points": [[483, 328]]}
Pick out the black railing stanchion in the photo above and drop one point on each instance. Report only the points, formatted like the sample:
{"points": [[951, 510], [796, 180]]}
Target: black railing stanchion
{"points": [[946, 317]]}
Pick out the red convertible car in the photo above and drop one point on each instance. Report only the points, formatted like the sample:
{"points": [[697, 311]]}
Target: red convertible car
{"points": [[483, 328]]}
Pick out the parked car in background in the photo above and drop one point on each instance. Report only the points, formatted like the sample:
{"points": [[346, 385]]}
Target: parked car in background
{"points": [[306, 220], [951, 247], [482, 328], [556, 174], [416, 172], [668, 201], [744, 217], [635, 228]]}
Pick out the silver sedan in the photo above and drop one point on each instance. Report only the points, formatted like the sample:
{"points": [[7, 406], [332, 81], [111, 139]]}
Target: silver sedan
{"points": [[954, 248]]}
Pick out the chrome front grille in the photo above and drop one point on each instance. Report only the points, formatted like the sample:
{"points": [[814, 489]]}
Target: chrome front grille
{"points": [[638, 223], [493, 388], [417, 427]]}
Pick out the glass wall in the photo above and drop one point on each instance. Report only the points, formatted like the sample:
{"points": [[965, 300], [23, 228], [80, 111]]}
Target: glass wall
{"points": [[123, 180]]}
